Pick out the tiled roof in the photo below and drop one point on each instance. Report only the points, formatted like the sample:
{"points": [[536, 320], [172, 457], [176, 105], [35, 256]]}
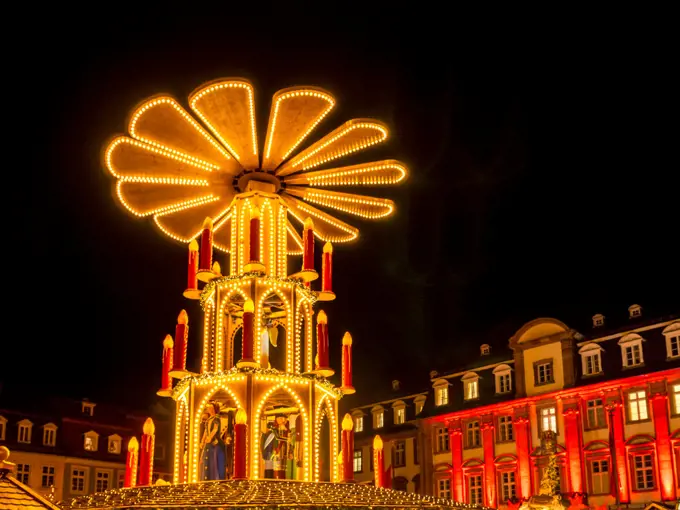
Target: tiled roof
{"points": [[242, 493], [14, 495]]}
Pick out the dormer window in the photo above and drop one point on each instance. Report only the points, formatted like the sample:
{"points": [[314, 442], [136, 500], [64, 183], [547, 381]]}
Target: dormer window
{"points": [[24, 433], [485, 349], [672, 334], [591, 359], [378, 417], [419, 403], [441, 392], [503, 375], [634, 311], [115, 444], [87, 408], [399, 408], [91, 443], [631, 350], [50, 434], [470, 386], [395, 385], [598, 320], [358, 424]]}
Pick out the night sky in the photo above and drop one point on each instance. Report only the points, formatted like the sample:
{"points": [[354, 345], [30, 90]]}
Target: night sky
{"points": [[542, 184]]}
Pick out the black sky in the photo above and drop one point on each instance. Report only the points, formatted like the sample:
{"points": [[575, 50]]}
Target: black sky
{"points": [[543, 182]]}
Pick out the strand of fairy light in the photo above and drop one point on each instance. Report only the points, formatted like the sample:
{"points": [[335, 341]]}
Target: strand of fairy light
{"points": [[298, 93], [218, 226], [168, 100], [232, 288], [329, 219], [317, 437], [282, 248], [355, 202], [160, 150], [356, 177]]}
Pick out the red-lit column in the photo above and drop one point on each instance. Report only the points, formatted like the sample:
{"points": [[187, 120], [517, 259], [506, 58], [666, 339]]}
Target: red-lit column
{"points": [[456, 446], [572, 441], [523, 442], [240, 433], [664, 447], [489, 466], [616, 415]]}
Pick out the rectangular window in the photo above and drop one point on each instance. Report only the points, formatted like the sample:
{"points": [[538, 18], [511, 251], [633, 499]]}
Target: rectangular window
{"points": [[442, 440], [419, 406], [400, 454], [358, 461], [102, 481], [548, 419], [23, 473], [674, 346], [475, 490], [505, 432], [47, 477], [474, 436], [444, 488], [370, 456], [379, 419], [415, 451], [503, 383], [632, 355], [595, 414], [121, 480], [359, 424], [78, 480], [442, 395], [24, 434], [600, 477], [472, 389], [2, 429], [508, 490], [543, 372], [400, 416], [593, 364], [49, 437], [637, 406], [676, 398], [644, 472], [90, 444]]}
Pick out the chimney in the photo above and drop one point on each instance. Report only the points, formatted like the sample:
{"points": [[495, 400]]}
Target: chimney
{"points": [[598, 320], [634, 311], [433, 374], [395, 385]]}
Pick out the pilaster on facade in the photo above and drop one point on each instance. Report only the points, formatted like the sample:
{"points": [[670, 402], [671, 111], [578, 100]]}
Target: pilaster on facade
{"points": [[488, 441], [455, 428], [573, 440], [664, 446]]}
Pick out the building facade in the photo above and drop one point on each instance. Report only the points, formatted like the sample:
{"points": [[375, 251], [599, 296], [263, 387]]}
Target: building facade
{"points": [[611, 393], [72, 448]]}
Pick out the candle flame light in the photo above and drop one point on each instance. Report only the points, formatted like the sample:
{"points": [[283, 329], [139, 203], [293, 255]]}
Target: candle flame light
{"points": [[241, 417]]}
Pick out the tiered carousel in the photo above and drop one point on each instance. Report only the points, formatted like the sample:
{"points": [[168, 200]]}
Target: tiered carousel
{"points": [[257, 422]]}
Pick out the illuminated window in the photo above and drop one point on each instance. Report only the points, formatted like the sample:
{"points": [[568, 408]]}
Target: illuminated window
{"points": [[505, 432], [115, 443], [591, 359], [508, 488], [358, 461], [595, 414], [400, 454], [3, 427], [24, 473], [600, 477], [47, 479], [548, 419], [24, 434], [441, 392], [473, 434], [358, 424], [87, 408], [444, 488], [637, 405], [644, 472], [419, 402], [399, 409], [78, 480], [672, 334], [631, 350], [543, 372], [50, 434], [91, 443], [378, 419], [475, 490], [676, 398], [442, 440], [470, 386]]}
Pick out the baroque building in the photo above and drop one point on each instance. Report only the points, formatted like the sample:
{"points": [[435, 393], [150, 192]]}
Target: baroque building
{"points": [[69, 448], [610, 391]]}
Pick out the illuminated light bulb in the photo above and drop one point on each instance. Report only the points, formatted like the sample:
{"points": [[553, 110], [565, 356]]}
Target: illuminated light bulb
{"points": [[328, 247], [377, 443], [149, 428], [309, 223], [347, 338], [241, 417], [168, 342], [249, 306], [321, 317], [347, 422], [207, 223], [193, 245], [133, 445], [183, 317]]}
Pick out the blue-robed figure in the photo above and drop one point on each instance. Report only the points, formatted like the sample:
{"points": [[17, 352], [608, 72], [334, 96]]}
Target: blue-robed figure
{"points": [[212, 446]]}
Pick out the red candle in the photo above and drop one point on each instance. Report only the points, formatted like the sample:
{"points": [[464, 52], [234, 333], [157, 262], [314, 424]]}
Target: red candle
{"points": [[206, 245], [347, 449], [146, 453], [166, 379], [179, 365], [131, 464], [378, 462], [240, 433], [192, 269], [248, 332], [308, 246], [322, 344], [327, 268], [254, 235], [347, 364]]}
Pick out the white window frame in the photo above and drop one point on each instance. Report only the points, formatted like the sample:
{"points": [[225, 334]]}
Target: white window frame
{"points": [[473, 434], [444, 488], [548, 418], [644, 468], [548, 373], [676, 398], [117, 443], [47, 474], [358, 423], [601, 479], [94, 437], [358, 460], [378, 413], [121, 480], [108, 478], [477, 487], [503, 372], [508, 485], [591, 350], [399, 451], [638, 408], [631, 341], [399, 410], [442, 440], [470, 386], [24, 473], [441, 392], [506, 431], [3, 427], [85, 473], [672, 334], [24, 431], [419, 402], [50, 434], [594, 411]]}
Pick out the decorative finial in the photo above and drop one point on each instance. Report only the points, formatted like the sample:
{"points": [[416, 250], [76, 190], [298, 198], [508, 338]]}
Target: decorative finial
{"points": [[328, 247], [208, 223], [167, 342], [133, 444], [241, 417], [183, 318], [377, 443], [321, 317], [193, 245], [347, 422], [309, 223], [347, 338], [249, 306], [149, 428]]}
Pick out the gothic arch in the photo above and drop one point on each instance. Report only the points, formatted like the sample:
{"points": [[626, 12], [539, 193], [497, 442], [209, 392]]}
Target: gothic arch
{"points": [[257, 349], [180, 471], [324, 408], [303, 316], [224, 349]]}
